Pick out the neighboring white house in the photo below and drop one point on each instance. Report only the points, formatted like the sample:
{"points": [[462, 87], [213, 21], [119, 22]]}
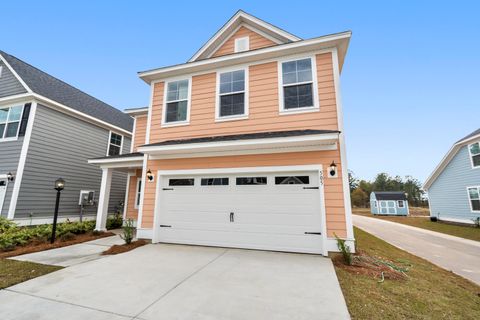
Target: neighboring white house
{"points": [[454, 186]]}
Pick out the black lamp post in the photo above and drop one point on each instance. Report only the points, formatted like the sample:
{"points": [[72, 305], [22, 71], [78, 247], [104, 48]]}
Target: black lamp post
{"points": [[59, 185]]}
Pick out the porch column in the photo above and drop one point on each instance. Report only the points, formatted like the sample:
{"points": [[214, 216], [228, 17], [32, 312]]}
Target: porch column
{"points": [[103, 198]]}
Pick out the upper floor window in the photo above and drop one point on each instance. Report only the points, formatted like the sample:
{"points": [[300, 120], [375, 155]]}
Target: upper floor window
{"points": [[474, 149], [298, 91], [10, 121], [115, 145], [474, 197], [232, 96], [177, 102]]}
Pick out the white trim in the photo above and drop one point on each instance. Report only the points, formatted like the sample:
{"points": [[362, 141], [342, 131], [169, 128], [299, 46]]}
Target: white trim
{"points": [[132, 141], [245, 18], [7, 122], [103, 199], [136, 112], [343, 151], [472, 155], [22, 160], [237, 43], [253, 56], [314, 82], [125, 202], [137, 193], [144, 233], [144, 178], [245, 91], [2, 198], [115, 160], [470, 200], [18, 98], [164, 106], [15, 74], [48, 220], [1, 71]]}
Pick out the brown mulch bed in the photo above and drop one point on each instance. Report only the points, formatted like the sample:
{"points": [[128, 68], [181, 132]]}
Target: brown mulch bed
{"points": [[379, 269], [36, 246], [116, 249]]}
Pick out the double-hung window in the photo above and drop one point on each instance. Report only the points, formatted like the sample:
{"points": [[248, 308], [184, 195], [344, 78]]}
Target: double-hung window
{"points": [[298, 90], [177, 102], [232, 96], [115, 144], [474, 197], [10, 121], [474, 149]]}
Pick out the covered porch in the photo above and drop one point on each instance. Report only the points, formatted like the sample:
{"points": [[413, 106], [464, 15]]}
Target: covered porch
{"points": [[130, 163]]}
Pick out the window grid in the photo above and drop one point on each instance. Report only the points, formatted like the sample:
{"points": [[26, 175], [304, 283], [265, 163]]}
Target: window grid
{"points": [[474, 198], [115, 145], [474, 150], [10, 121], [232, 94], [297, 84], [176, 101]]}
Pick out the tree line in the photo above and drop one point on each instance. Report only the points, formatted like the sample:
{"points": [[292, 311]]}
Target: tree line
{"points": [[360, 189]]}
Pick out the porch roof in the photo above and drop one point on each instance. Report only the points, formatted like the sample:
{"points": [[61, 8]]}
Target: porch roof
{"points": [[122, 161]]}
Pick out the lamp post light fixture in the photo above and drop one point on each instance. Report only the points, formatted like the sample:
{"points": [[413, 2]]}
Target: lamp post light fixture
{"points": [[59, 186], [10, 177]]}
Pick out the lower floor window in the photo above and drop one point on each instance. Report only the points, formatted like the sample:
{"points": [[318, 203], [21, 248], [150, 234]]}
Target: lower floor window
{"points": [[400, 204], [474, 197]]}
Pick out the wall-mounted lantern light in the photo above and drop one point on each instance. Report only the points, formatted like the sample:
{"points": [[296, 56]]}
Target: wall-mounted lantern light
{"points": [[332, 170], [59, 186], [10, 177], [149, 176]]}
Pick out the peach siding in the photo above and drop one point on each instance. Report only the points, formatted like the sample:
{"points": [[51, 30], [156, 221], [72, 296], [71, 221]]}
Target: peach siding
{"points": [[263, 106], [140, 131], [256, 42], [132, 213], [333, 187]]}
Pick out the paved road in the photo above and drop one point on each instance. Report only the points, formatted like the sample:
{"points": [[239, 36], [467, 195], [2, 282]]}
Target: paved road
{"points": [[459, 255]]}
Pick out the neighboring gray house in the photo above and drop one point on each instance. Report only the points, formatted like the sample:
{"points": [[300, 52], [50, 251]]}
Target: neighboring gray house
{"points": [[48, 129], [454, 186]]}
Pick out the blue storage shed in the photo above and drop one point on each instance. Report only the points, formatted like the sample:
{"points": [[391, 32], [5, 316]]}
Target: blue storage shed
{"points": [[389, 203]]}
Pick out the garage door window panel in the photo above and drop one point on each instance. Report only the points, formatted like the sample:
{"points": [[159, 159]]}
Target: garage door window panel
{"points": [[181, 182], [244, 181], [214, 182], [292, 180]]}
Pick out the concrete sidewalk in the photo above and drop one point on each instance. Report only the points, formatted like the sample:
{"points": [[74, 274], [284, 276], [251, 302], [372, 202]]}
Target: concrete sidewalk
{"points": [[72, 255], [461, 256]]}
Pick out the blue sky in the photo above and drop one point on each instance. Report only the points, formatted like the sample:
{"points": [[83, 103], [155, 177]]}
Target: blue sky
{"points": [[410, 82]]}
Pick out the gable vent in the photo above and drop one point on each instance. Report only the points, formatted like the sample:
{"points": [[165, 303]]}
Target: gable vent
{"points": [[242, 44]]}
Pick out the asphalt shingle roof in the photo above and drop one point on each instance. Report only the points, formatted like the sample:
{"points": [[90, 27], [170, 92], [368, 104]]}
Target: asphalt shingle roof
{"points": [[390, 195], [52, 88], [474, 133]]}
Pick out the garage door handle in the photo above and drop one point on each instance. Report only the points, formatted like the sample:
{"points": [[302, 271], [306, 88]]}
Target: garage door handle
{"points": [[317, 233], [165, 226], [310, 187], [232, 217], [165, 189]]}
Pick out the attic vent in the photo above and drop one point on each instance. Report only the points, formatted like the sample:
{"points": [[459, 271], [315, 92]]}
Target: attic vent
{"points": [[242, 44]]}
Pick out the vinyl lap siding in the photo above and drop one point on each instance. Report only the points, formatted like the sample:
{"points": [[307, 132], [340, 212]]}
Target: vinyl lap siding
{"points": [[140, 131], [9, 85], [9, 156], [60, 147], [256, 42], [448, 194]]}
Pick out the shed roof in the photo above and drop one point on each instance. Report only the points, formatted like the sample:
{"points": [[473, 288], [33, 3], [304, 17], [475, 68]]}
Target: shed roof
{"points": [[390, 195]]}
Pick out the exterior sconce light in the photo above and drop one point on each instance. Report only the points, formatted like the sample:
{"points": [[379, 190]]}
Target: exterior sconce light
{"points": [[149, 176], [332, 170], [10, 177], [59, 186]]}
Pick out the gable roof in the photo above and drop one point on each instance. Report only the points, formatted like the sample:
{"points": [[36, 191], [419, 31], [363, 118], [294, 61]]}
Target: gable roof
{"points": [[449, 156], [241, 18], [43, 84], [390, 195]]}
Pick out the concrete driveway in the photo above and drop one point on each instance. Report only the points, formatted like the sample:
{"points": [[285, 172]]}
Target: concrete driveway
{"points": [[183, 282], [461, 256]]}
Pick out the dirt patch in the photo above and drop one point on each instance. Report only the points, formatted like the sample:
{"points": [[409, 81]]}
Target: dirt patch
{"points": [[116, 248], [376, 268], [36, 246]]}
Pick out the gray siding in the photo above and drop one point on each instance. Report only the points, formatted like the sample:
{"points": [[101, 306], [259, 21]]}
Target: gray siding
{"points": [[9, 85], [60, 147], [9, 155], [448, 194]]}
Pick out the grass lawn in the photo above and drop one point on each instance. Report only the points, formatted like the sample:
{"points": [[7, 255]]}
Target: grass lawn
{"points": [[466, 232], [429, 292], [13, 272]]}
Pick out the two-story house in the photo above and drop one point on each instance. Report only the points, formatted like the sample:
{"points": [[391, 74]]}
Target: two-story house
{"points": [[454, 186], [48, 129], [242, 145]]}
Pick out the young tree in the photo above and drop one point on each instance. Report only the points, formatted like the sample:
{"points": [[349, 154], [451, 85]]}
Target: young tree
{"points": [[359, 198], [352, 181]]}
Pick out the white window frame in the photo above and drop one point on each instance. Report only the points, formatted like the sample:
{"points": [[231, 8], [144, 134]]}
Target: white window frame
{"points": [[470, 200], [472, 155], [110, 143], [237, 44], [402, 202], [314, 82], [189, 102], [2, 139], [138, 194], [245, 114]]}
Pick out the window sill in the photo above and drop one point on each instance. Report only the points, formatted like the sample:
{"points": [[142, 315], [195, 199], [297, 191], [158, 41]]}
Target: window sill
{"points": [[175, 124], [298, 110], [232, 118], [9, 139]]}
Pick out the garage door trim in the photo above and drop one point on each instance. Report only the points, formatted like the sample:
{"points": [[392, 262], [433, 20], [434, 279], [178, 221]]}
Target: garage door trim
{"points": [[241, 170]]}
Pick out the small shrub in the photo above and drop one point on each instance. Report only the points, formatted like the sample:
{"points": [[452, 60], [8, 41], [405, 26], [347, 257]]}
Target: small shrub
{"points": [[128, 231], [67, 236], [114, 222], [345, 250], [476, 222], [7, 242], [7, 225]]}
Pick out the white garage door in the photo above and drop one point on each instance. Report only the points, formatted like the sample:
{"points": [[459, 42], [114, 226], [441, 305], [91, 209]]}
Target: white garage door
{"points": [[271, 211]]}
